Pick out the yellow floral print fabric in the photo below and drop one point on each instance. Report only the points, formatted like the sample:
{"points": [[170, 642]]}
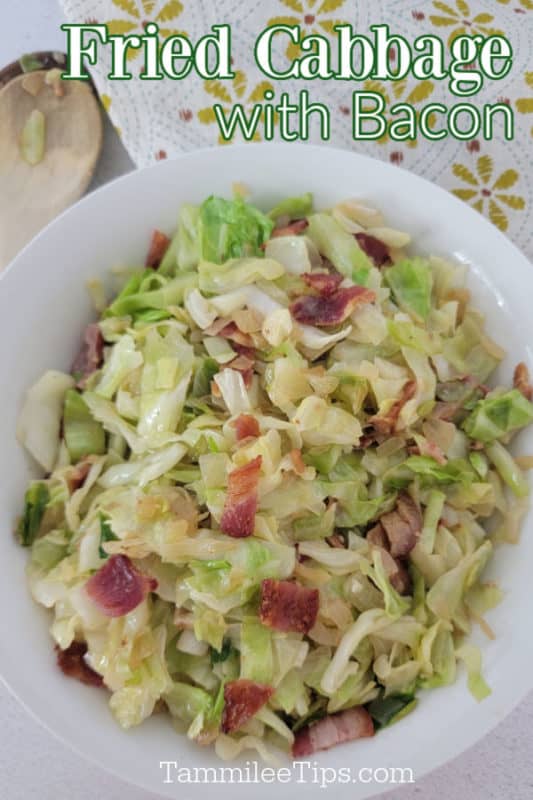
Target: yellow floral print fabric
{"points": [[159, 119]]}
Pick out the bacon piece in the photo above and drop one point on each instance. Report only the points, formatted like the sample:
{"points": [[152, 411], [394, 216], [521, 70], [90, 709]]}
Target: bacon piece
{"points": [[91, 355], [287, 606], [297, 461], [244, 350], [403, 526], [72, 663], [325, 283], [521, 381], [374, 248], [245, 426], [242, 699], [292, 229], [331, 310], [386, 424], [118, 587], [238, 517], [355, 723], [394, 569], [76, 475], [158, 247]]}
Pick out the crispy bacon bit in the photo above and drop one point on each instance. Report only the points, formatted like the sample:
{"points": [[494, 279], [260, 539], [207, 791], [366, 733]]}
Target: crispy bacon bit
{"points": [[287, 606], [245, 426], [158, 247], [394, 569], [72, 663], [355, 723], [91, 355], [330, 310], [293, 229], [374, 248], [297, 461], [242, 699], [386, 424], [325, 283], [76, 475], [521, 381], [118, 587], [238, 518], [403, 526]]}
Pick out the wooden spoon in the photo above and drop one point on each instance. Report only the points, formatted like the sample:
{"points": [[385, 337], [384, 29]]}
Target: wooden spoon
{"points": [[35, 189]]}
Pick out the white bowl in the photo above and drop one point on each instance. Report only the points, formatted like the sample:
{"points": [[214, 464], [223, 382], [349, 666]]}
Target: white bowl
{"points": [[43, 308]]}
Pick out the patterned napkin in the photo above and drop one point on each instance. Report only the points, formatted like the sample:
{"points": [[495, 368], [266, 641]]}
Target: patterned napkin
{"points": [[160, 119]]}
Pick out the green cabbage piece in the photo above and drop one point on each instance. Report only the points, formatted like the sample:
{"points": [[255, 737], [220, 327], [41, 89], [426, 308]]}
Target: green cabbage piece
{"points": [[471, 656], [149, 290], [35, 501], [411, 283], [124, 359], [231, 229], [106, 534], [446, 596], [314, 526], [498, 415], [386, 711], [136, 700], [293, 207], [166, 374], [432, 514], [356, 690], [407, 334], [187, 703], [83, 435], [257, 663], [479, 462], [508, 469], [49, 550], [468, 350], [323, 459], [437, 656], [291, 694], [233, 274], [210, 627], [183, 253], [395, 604], [222, 653], [340, 247], [457, 470]]}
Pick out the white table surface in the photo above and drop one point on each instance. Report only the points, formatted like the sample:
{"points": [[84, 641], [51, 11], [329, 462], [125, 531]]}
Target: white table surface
{"points": [[35, 766]]}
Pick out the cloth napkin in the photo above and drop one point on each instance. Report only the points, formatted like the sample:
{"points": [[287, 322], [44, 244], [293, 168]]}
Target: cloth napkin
{"points": [[160, 119]]}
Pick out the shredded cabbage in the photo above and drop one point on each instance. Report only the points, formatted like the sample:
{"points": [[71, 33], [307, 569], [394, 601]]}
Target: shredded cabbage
{"points": [[228, 455]]}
